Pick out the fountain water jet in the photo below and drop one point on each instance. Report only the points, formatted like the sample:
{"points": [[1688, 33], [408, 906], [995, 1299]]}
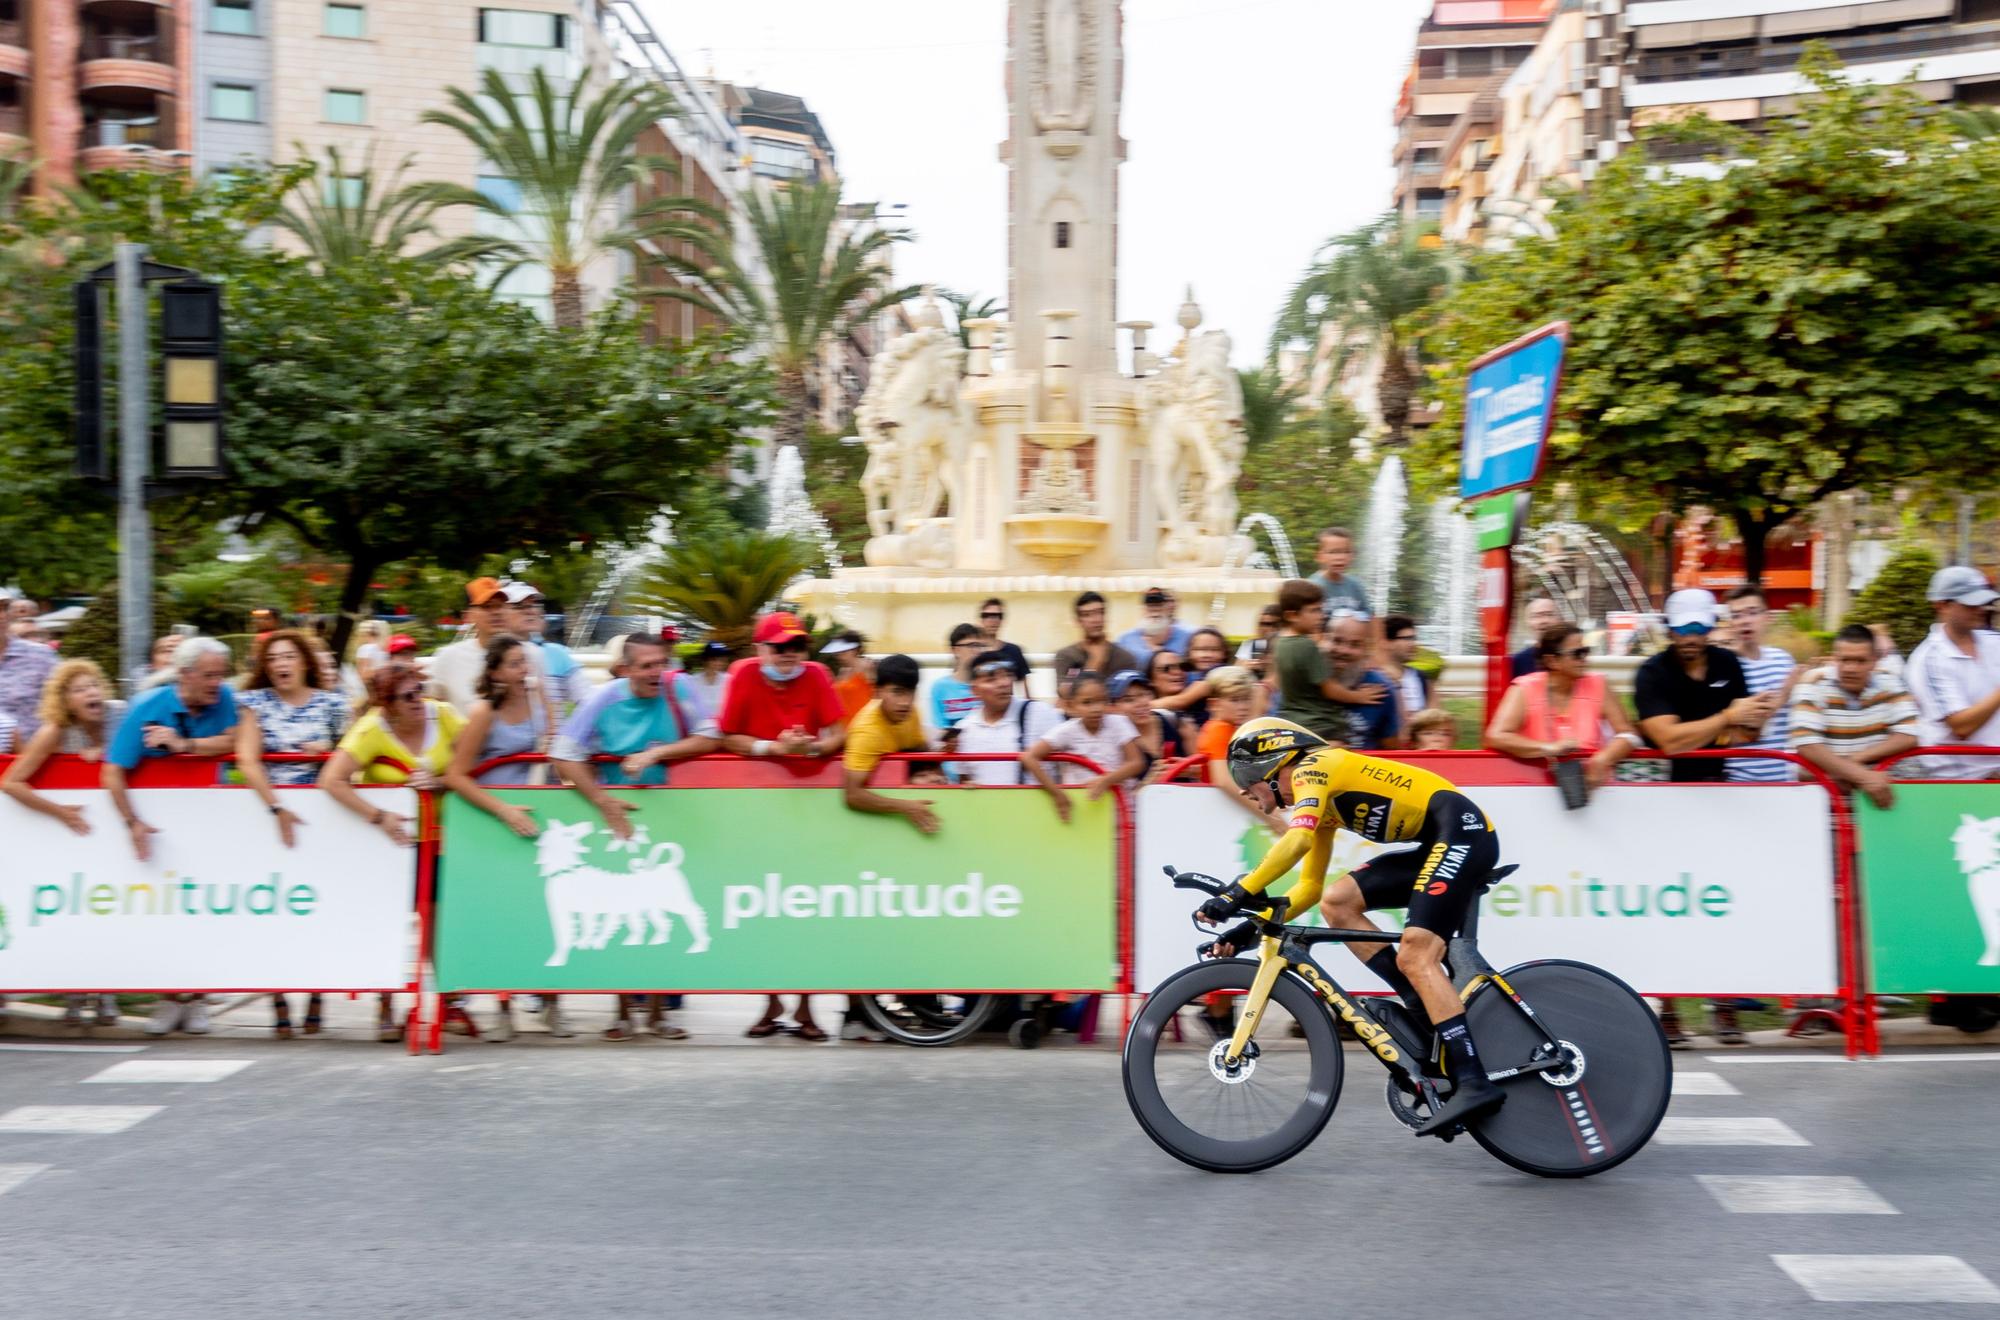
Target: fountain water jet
{"points": [[1382, 538], [1454, 623]]}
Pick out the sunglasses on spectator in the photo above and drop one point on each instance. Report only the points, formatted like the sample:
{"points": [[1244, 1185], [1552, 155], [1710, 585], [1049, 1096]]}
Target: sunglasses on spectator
{"points": [[1691, 630], [797, 646], [992, 667], [995, 616], [414, 694], [1577, 652]]}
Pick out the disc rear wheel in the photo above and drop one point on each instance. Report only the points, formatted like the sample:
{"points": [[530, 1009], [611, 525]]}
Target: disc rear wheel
{"points": [[1604, 1103], [1227, 1118]]}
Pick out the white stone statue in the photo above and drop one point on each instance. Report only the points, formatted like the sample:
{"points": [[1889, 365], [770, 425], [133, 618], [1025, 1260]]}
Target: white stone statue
{"points": [[1194, 447], [917, 428]]}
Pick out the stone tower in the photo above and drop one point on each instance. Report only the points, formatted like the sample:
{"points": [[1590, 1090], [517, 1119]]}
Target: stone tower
{"points": [[1065, 66]]}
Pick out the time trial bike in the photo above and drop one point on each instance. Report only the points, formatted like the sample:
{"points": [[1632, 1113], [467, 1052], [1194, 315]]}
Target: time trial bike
{"points": [[1581, 1057]]}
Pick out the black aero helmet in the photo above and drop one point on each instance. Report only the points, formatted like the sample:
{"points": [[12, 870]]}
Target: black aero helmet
{"points": [[1263, 747]]}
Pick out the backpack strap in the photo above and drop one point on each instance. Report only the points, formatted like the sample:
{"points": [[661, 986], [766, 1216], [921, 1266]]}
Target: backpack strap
{"points": [[1021, 734]]}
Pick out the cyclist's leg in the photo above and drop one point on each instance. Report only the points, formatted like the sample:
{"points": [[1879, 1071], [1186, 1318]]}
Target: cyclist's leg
{"points": [[1461, 851], [1381, 884]]}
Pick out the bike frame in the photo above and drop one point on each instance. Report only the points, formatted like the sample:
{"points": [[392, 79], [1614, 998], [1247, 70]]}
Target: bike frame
{"points": [[1289, 949]]}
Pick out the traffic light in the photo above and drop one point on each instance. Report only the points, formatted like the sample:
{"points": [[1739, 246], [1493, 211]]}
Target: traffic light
{"points": [[191, 351]]}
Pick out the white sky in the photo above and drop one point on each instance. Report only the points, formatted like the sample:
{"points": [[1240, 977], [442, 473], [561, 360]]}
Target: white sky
{"points": [[1257, 129]]}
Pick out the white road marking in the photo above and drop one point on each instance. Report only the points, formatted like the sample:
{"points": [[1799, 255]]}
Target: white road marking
{"points": [[1727, 1132], [1966, 1056], [1888, 1279], [1745, 1195], [73, 1049], [170, 1070], [13, 1175], [1701, 1083], [75, 1120]]}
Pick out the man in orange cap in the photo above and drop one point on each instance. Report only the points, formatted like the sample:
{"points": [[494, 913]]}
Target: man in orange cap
{"points": [[455, 669]]}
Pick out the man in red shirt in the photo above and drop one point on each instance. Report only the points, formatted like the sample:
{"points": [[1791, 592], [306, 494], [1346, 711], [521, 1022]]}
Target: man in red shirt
{"points": [[778, 703]]}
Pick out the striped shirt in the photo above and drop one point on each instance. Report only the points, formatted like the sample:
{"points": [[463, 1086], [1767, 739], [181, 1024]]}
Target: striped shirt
{"points": [[1945, 680], [1826, 714], [1766, 671]]}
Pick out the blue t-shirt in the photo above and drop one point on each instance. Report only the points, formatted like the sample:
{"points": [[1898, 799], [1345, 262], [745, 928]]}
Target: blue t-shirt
{"points": [[1142, 648], [615, 722], [163, 706], [1370, 726], [952, 699]]}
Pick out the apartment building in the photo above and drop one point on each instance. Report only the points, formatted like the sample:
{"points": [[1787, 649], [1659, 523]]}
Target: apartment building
{"points": [[1461, 48], [95, 84]]}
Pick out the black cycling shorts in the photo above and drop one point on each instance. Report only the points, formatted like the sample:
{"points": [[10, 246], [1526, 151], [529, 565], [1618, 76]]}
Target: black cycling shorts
{"points": [[1436, 881]]}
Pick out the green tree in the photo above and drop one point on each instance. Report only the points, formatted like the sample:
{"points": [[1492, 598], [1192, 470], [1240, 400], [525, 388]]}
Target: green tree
{"points": [[1268, 401], [342, 213], [1895, 598], [573, 156], [723, 583], [1306, 476], [1817, 315], [825, 274], [1367, 286], [428, 419]]}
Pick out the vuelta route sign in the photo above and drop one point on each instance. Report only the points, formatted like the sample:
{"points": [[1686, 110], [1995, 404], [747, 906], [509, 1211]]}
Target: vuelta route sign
{"points": [[747, 889], [1930, 886], [221, 905], [1641, 882], [1510, 408]]}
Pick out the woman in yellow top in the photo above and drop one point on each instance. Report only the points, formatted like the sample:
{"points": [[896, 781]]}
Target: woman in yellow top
{"points": [[404, 737]]}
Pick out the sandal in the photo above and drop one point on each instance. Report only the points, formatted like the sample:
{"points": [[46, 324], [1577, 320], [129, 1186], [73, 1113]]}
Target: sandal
{"points": [[313, 1020], [809, 1030], [764, 1027]]}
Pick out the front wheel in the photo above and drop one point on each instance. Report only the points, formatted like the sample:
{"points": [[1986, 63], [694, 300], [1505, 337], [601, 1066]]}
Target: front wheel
{"points": [[1263, 1112], [928, 1019], [1605, 1103]]}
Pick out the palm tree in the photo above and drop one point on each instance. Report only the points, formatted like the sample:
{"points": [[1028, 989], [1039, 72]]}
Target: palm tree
{"points": [[825, 277], [1974, 121], [342, 217], [969, 307], [572, 157], [1365, 285], [722, 583], [1267, 402]]}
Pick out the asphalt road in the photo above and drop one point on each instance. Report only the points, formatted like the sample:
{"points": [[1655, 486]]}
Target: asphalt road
{"points": [[345, 1180]]}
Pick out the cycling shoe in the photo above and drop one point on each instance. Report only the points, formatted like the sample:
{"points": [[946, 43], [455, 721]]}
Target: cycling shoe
{"points": [[1468, 1101]]}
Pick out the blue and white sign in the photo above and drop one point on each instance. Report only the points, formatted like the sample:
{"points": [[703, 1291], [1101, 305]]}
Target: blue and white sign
{"points": [[1510, 407]]}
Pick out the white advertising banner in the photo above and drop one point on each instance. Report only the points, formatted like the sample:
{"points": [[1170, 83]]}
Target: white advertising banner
{"points": [[1685, 889], [220, 905]]}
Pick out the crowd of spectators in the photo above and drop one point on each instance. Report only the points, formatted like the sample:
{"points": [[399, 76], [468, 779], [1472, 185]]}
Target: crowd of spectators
{"points": [[1136, 708]]}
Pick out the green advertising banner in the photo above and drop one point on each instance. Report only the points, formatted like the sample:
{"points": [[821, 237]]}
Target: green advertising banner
{"points": [[1930, 889], [755, 889]]}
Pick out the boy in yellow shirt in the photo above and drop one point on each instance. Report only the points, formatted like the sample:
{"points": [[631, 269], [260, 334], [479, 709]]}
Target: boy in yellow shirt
{"points": [[887, 724]]}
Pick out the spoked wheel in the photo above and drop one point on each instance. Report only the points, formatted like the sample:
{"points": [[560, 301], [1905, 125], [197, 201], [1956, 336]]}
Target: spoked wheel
{"points": [[1266, 1109], [928, 1019], [1605, 1103]]}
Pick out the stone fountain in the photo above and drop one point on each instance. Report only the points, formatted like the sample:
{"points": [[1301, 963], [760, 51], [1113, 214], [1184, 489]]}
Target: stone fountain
{"points": [[1051, 470]]}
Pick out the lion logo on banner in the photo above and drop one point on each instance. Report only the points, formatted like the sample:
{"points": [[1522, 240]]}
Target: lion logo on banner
{"points": [[1978, 851], [589, 905]]}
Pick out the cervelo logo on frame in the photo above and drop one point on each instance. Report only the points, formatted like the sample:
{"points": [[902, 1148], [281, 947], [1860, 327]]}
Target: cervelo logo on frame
{"points": [[589, 905]]}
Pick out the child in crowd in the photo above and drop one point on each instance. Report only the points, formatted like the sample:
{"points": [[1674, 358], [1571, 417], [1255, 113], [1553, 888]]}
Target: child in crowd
{"points": [[1094, 733], [854, 674], [1433, 730]]}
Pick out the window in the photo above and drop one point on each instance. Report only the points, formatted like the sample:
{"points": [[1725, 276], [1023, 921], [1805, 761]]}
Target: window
{"points": [[1425, 157], [346, 107], [501, 191], [1062, 233], [232, 101], [345, 21], [342, 190], [518, 27], [774, 159], [1474, 62], [236, 17]]}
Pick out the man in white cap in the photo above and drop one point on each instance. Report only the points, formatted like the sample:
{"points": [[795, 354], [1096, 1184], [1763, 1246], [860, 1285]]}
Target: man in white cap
{"points": [[1693, 694], [1954, 674]]}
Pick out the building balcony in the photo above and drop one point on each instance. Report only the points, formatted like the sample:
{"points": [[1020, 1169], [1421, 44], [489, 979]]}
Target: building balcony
{"points": [[132, 142], [13, 129], [13, 49], [131, 61]]}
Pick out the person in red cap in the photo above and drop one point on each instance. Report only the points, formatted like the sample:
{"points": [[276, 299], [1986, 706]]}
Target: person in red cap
{"points": [[778, 703]]}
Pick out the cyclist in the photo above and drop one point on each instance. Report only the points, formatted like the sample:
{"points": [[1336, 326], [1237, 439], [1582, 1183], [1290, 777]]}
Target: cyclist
{"points": [[1277, 763]]}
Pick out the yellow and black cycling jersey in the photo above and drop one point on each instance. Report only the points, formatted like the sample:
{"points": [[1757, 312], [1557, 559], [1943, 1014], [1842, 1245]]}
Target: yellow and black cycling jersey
{"points": [[1383, 802]]}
